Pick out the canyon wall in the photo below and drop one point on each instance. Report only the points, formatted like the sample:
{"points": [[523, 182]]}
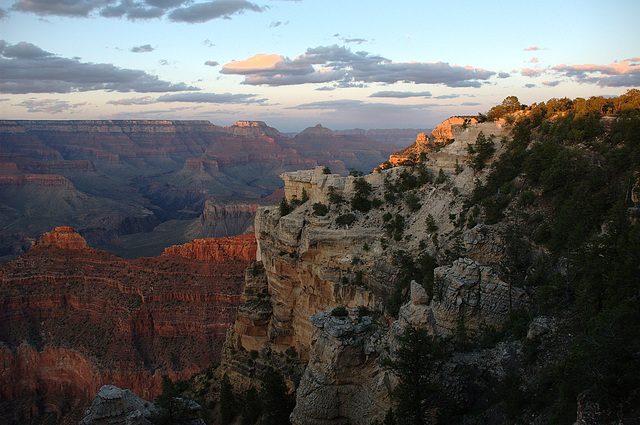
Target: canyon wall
{"points": [[110, 179], [310, 263], [73, 318]]}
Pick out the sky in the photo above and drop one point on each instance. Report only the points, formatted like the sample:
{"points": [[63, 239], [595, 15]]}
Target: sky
{"points": [[296, 63]]}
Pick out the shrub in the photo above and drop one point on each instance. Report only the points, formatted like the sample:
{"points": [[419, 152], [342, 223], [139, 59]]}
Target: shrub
{"points": [[413, 202], [334, 198], [442, 177], [431, 224], [326, 170], [361, 203], [480, 152], [339, 311], [284, 207], [320, 209], [345, 219]]}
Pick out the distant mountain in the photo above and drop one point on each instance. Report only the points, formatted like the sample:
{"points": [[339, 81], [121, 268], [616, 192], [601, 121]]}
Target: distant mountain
{"points": [[110, 179], [395, 136]]}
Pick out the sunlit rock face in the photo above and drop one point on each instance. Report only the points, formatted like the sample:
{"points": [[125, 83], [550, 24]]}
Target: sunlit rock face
{"points": [[309, 264], [73, 318], [448, 142]]}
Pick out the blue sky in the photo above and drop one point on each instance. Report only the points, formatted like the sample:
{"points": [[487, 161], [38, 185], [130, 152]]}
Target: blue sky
{"points": [[294, 64]]}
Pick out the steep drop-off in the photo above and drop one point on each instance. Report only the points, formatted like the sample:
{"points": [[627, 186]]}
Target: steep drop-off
{"points": [[512, 246]]}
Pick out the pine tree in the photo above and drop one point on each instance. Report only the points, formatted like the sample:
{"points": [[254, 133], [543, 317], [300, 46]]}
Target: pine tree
{"points": [[416, 394], [274, 396], [227, 401]]}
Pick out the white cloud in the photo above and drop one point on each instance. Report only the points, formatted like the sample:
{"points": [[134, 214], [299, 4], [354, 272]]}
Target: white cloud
{"points": [[340, 65], [617, 74]]}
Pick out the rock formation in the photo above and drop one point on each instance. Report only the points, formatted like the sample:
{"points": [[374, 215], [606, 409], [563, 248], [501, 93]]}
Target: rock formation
{"points": [[166, 315], [469, 297], [308, 264], [447, 143], [342, 382], [115, 406], [167, 171], [63, 237]]}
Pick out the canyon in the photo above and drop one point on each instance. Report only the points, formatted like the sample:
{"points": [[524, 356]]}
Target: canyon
{"points": [[111, 179], [495, 259], [310, 264], [74, 318]]}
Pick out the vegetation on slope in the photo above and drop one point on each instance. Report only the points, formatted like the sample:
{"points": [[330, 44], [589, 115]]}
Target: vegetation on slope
{"points": [[561, 195]]}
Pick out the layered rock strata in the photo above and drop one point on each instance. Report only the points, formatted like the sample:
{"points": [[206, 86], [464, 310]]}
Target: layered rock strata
{"points": [[447, 143], [74, 318], [311, 263]]}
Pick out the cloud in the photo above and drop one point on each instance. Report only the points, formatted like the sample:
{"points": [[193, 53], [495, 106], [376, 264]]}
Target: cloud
{"points": [[133, 11], [550, 83], [212, 63], [534, 48], [471, 103], [137, 9], [617, 74], [199, 97], [400, 94], [346, 111], [60, 7], [49, 106], [530, 85], [208, 43], [28, 69], [277, 24], [142, 49], [533, 60], [22, 50], [326, 88], [528, 72], [351, 40], [203, 12], [146, 100], [447, 96], [339, 64], [503, 75]]}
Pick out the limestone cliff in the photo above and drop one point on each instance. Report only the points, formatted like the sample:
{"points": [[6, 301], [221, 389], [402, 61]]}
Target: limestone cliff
{"points": [[448, 142], [311, 263]]}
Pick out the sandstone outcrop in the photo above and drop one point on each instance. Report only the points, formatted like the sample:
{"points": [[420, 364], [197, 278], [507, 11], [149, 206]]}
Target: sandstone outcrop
{"points": [[113, 405], [447, 143], [342, 382], [472, 295], [63, 237], [310, 263], [227, 219], [235, 249], [253, 129], [74, 318]]}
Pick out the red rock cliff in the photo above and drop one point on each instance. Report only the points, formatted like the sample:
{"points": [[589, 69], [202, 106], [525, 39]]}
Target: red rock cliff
{"points": [[74, 318]]}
